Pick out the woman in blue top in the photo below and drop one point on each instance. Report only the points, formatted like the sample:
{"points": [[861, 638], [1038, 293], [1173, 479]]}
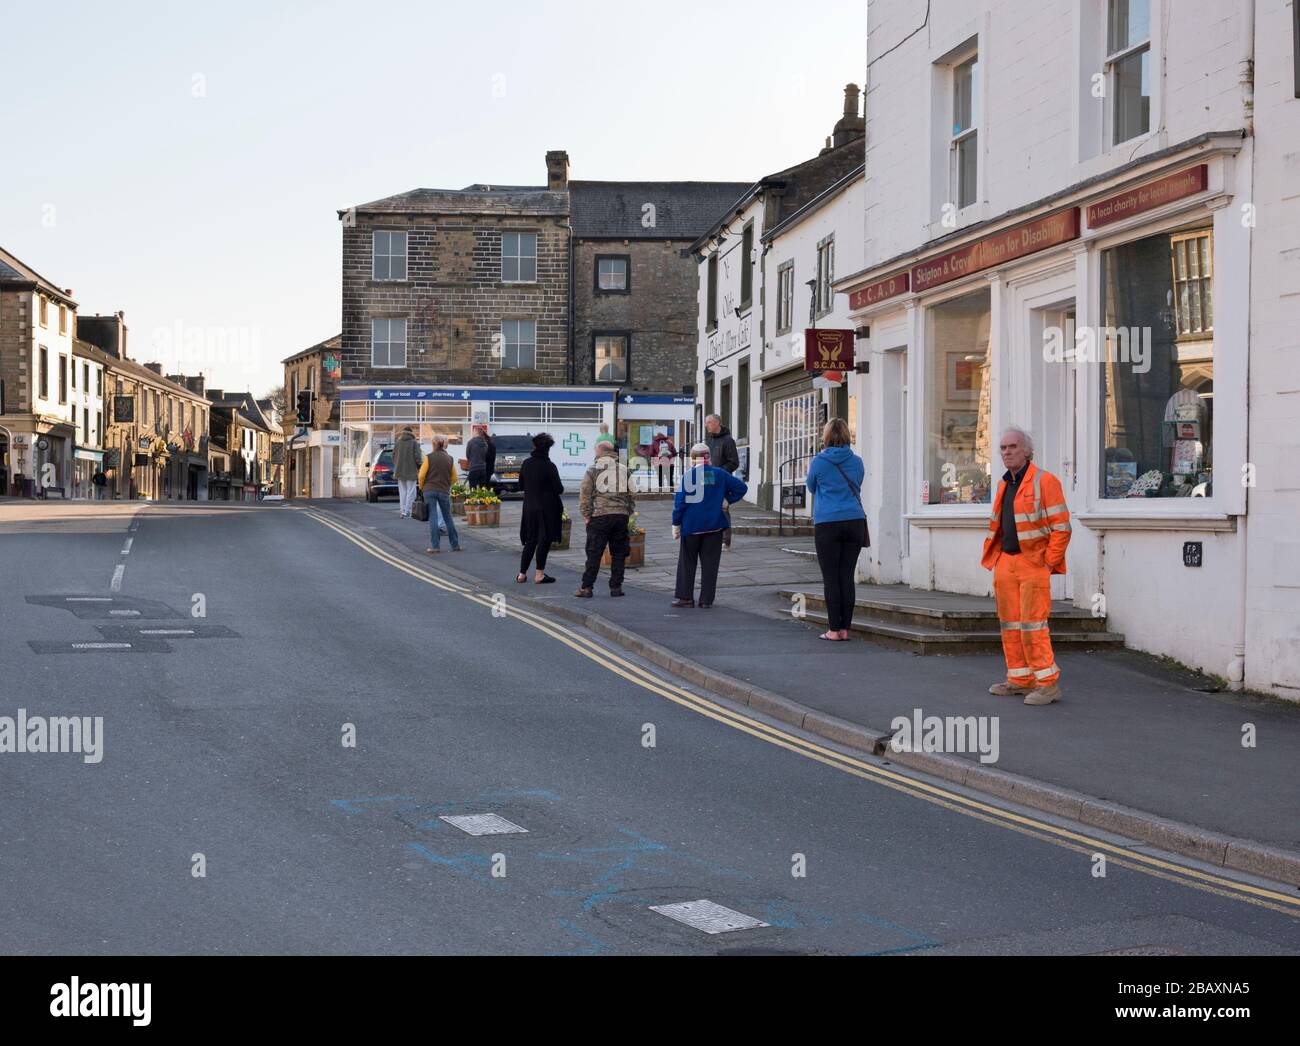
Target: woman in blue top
{"points": [[699, 521], [839, 524]]}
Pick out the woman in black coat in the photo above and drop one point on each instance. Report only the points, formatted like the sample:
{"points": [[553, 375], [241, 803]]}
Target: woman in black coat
{"points": [[540, 525]]}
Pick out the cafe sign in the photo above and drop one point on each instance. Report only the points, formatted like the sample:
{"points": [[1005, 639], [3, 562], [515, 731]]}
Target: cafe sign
{"points": [[1002, 247], [1149, 196], [879, 291], [827, 350]]}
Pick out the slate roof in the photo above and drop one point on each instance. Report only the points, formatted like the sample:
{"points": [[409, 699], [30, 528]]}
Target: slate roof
{"points": [[14, 271], [335, 342], [506, 200], [683, 210]]}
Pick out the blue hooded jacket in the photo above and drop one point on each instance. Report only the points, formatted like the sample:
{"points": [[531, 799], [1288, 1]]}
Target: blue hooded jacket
{"points": [[833, 497], [701, 510]]}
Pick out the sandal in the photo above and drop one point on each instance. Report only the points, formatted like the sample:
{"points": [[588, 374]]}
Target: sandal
{"points": [[521, 579], [831, 638], [546, 580]]}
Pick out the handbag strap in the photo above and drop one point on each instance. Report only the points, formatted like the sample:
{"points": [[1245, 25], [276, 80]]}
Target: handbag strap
{"points": [[852, 486]]}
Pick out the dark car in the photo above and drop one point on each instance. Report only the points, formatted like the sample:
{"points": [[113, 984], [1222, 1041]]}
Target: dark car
{"points": [[380, 483], [512, 452]]}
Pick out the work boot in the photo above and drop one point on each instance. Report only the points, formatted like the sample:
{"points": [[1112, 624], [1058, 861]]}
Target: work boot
{"points": [[680, 604], [616, 591], [1008, 690], [583, 593], [1044, 695]]}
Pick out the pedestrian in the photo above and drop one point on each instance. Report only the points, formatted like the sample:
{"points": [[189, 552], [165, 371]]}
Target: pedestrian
{"points": [[723, 455], [100, 481], [699, 522], [437, 474], [542, 522], [605, 437], [1028, 534], [839, 524], [407, 459], [490, 459], [476, 455], [606, 502], [664, 451]]}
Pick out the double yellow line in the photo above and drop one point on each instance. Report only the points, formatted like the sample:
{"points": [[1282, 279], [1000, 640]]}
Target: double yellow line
{"points": [[647, 680]]}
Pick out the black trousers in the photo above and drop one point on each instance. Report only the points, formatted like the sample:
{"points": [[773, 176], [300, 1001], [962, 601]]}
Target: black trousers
{"points": [[663, 485], [541, 548], [838, 545], [705, 550], [605, 531]]}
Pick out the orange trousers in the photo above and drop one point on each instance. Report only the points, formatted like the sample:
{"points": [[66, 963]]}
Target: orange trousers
{"points": [[1023, 592]]}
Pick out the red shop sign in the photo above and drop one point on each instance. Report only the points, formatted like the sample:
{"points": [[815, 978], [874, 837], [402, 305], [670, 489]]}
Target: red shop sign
{"points": [[879, 291], [1149, 196], [1038, 235], [827, 349]]}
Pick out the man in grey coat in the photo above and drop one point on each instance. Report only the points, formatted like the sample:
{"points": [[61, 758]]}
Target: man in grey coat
{"points": [[723, 454]]}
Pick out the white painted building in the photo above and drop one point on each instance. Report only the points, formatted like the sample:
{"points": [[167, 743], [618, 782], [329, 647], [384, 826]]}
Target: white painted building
{"points": [[1059, 233], [86, 379]]}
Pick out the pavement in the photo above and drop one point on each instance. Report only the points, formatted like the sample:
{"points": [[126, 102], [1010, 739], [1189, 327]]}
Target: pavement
{"points": [[280, 780], [1089, 757]]}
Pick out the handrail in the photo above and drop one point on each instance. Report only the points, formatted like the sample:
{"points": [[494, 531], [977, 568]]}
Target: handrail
{"points": [[780, 490]]}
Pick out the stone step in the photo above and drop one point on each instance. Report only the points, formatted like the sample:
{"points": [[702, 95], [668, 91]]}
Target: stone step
{"points": [[929, 641]]}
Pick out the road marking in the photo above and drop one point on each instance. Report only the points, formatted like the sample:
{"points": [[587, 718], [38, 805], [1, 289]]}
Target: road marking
{"points": [[124, 613], [708, 916], [116, 584], [126, 550], [101, 646], [166, 631], [958, 803], [89, 599]]}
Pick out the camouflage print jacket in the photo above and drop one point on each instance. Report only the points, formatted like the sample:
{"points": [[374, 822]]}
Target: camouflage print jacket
{"points": [[606, 490]]}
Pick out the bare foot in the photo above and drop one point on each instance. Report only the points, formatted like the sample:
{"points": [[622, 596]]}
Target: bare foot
{"points": [[844, 633]]}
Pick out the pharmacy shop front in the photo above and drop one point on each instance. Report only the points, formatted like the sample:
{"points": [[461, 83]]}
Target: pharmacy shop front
{"points": [[372, 417], [1109, 323]]}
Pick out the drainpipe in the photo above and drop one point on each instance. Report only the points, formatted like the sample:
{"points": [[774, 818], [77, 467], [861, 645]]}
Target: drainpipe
{"points": [[1236, 671]]}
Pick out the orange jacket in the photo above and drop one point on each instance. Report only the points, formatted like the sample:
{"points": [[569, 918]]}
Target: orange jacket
{"points": [[1042, 521]]}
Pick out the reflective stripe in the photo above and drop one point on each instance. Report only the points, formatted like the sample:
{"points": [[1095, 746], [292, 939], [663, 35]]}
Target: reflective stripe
{"points": [[1025, 535], [1054, 510], [1025, 517], [1010, 626], [1038, 492], [1020, 672], [1062, 527], [1043, 673], [1023, 626]]}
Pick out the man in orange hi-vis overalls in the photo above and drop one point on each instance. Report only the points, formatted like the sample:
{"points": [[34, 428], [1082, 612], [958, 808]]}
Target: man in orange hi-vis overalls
{"points": [[1028, 535]]}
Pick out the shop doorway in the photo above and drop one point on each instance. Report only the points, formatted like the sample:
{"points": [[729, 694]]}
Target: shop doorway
{"points": [[1053, 420]]}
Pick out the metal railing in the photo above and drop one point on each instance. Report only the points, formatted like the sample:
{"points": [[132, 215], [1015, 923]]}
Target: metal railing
{"points": [[787, 467]]}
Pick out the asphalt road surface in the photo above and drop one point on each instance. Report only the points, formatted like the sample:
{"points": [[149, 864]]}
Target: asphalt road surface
{"points": [[231, 651]]}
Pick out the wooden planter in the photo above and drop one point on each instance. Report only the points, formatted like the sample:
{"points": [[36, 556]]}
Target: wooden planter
{"points": [[458, 506], [483, 515], [636, 553], [566, 531]]}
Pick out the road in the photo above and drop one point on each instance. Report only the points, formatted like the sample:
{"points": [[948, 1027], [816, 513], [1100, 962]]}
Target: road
{"points": [[223, 752]]}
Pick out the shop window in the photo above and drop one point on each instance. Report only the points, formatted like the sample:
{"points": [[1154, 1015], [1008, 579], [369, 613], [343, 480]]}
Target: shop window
{"points": [[785, 297], [1156, 352], [519, 257], [958, 403], [519, 413], [577, 413], [613, 274], [794, 437], [519, 343], [611, 358], [388, 343], [1128, 68], [963, 147], [389, 256]]}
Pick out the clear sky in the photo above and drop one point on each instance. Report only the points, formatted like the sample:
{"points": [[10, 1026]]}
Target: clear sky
{"points": [[184, 162]]}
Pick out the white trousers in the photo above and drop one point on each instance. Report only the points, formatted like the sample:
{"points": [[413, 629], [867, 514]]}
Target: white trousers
{"points": [[406, 495]]}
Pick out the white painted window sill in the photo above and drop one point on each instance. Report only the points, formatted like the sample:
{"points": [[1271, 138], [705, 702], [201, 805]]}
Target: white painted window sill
{"points": [[975, 521], [1107, 521]]}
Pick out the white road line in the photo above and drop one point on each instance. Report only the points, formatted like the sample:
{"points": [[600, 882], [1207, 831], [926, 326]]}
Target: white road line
{"points": [[89, 599], [101, 646], [166, 631], [126, 551], [116, 585], [124, 613]]}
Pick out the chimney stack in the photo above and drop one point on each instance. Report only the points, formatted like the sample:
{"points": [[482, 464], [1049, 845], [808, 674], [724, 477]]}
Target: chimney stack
{"points": [[851, 126], [155, 367], [557, 170]]}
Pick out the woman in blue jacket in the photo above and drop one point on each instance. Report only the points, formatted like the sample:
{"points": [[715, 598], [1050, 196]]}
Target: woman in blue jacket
{"points": [[839, 524], [698, 520]]}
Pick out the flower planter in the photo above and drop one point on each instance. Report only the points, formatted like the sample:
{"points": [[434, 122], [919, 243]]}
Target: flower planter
{"points": [[483, 515], [636, 552], [458, 506], [566, 531]]}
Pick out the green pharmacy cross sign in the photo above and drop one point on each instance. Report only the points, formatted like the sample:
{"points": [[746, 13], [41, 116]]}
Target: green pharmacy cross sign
{"points": [[575, 444]]}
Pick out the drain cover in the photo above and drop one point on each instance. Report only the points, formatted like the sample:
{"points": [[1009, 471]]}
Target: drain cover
{"points": [[707, 916], [483, 824]]}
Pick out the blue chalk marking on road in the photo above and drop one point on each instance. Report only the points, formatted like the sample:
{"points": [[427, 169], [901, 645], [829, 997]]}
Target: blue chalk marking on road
{"points": [[466, 863], [595, 945], [349, 805]]}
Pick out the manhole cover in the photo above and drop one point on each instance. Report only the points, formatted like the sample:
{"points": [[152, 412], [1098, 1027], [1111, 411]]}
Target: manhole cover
{"points": [[483, 824], [707, 916]]}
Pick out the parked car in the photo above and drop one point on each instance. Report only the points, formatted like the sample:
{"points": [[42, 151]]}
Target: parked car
{"points": [[380, 483], [512, 452]]}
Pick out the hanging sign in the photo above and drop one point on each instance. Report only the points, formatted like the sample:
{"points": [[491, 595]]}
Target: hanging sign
{"points": [[827, 350]]}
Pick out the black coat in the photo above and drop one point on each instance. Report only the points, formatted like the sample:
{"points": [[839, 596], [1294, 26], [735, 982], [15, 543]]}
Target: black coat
{"points": [[722, 450], [540, 480]]}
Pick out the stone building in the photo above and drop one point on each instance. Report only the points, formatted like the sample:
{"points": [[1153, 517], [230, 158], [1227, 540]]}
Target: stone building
{"points": [[311, 442], [240, 450]]}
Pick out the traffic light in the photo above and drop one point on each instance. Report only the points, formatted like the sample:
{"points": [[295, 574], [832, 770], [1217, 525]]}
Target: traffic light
{"points": [[304, 407]]}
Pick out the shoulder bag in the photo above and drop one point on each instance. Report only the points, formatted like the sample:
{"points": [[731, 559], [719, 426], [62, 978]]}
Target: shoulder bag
{"points": [[866, 534]]}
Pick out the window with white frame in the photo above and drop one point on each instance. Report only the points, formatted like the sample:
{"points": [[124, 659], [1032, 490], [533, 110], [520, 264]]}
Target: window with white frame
{"points": [[518, 343], [519, 257], [794, 436], [389, 255], [1128, 68], [963, 147], [785, 297], [825, 275], [388, 343]]}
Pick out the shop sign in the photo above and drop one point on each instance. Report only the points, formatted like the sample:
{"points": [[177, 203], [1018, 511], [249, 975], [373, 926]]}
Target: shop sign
{"points": [[123, 408], [331, 439], [879, 291], [827, 350], [141, 460], [1008, 245], [1149, 196], [332, 366], [794, 496]]}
